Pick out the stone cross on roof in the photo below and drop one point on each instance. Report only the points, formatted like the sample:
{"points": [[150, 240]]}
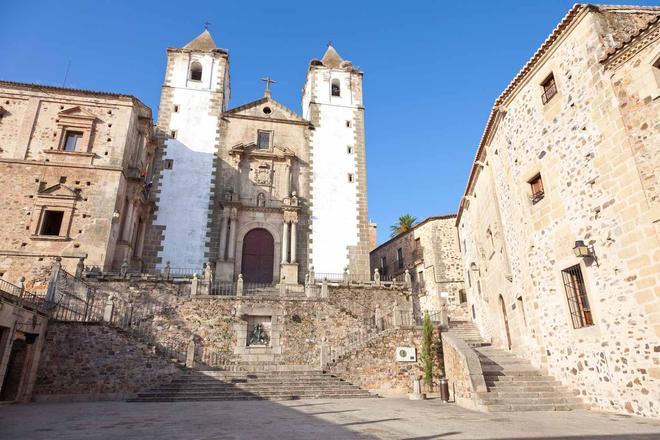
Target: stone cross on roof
{"points": [[268, 80]]}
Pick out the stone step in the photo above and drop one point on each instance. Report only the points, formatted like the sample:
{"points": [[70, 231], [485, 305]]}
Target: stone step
{"points": [[247, 397], [254, 386], [521, 379], [530, 389], [558, 400], [310, 393], [490, 370], [211, 380], [505, 361], [551, 393], [250, 386], [537, 407], [257, 373]]}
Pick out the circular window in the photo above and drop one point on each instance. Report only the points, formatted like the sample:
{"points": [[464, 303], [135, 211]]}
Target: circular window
{"points": [[267, 110]]}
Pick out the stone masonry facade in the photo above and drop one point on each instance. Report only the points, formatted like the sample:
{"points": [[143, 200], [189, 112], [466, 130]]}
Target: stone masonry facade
{"points": [[431, 254], [75, 166], [568, 160]]}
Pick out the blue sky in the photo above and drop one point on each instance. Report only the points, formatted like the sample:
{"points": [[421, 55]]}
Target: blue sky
{"points": [[432, 68]]}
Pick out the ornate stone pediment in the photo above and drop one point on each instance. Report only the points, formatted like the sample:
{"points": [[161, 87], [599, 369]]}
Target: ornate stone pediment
{"points": [[59, 191], [250, 150], [268, 109], [76, 112]]}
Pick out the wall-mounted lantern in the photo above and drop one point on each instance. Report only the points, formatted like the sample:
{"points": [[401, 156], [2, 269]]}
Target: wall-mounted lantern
{"points": [[582, 250]]}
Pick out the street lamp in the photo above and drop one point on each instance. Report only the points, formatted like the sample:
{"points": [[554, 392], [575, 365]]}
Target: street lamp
{"points": [[582, 250]]}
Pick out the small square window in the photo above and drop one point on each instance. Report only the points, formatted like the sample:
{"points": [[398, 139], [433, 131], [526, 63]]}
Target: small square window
{"points": [[176, 109], [173, 134], [348, 124], [168, 164], [263, 139], [549, 89], [349, 150], [72, 140], [536, 185], [51, 223], [351, 178]]}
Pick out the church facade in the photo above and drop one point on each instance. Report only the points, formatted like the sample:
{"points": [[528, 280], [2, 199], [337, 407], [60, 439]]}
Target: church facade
{"points": [[257, 189]]}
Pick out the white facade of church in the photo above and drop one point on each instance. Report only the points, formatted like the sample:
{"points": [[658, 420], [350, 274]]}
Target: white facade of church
{"points": [[259, 190]]}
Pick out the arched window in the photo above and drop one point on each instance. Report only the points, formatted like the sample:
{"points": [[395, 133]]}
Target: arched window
{"points": [[335, 88], [196, 71]]}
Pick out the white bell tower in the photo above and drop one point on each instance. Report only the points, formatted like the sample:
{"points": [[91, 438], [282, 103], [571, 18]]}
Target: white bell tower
{"points": [[332, 101], [194, 95]]}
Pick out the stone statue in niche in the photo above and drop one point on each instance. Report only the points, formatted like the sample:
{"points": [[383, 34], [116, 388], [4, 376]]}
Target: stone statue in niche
{"points": [[258, 336], [261, 200]]}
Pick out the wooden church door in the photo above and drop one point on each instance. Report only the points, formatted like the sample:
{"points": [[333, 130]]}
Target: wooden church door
{"points": [[258, 256]]}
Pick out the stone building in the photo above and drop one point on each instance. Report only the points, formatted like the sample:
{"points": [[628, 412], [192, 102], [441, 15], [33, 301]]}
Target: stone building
{"points": [[430, 253], [22, 335], [266, 193], [560, 219], [75, 167]]}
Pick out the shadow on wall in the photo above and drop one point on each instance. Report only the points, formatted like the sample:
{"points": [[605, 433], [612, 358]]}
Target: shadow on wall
{"points": [[184, 193]]}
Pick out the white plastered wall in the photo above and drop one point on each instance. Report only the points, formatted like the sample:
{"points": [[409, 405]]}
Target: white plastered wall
{"points": [[334, 209], [186, 189]]}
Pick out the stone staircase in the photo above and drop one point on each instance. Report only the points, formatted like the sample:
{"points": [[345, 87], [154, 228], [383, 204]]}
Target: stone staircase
{"points": [[265, 385], [513, 383]]}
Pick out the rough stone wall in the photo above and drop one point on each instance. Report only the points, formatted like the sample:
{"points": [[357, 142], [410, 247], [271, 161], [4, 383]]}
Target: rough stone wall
{"points": [[93, 359], [305, 322], [437, 272], [579, 143], [375, 366]]}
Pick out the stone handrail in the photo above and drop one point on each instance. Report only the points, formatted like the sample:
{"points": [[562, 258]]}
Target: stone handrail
{"points": [[463, 369]]}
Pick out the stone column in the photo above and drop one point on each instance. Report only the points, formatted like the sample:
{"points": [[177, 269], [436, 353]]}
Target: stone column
{"points": [[193, 285], [232, 235], [239, 285], [190, 354], [288, 179], [293, 242], [285, 242], [223, 234], [109, 309]]}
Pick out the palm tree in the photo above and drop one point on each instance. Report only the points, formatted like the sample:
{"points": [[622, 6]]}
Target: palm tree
{"points": [[404, 224]]}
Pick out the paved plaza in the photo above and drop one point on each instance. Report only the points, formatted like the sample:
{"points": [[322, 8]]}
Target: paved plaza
{"points": [[306, 419]]}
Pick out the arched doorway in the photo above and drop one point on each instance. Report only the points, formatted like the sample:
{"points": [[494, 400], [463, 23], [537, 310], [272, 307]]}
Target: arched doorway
{"points": [[506, 323], [258, 256]]}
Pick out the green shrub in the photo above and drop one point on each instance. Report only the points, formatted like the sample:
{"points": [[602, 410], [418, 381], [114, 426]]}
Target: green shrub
{"points": [[427, 349]]}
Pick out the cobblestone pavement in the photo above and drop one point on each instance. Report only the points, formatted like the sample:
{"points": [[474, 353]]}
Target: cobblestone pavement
{"points": [[306, 419]]}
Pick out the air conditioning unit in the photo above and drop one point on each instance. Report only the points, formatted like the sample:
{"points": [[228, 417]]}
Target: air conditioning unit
{"points": [[406, 354]]}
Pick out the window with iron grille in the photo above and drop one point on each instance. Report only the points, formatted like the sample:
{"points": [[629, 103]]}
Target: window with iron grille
{"points": [[549, 89], [399, 257], [383, 265], [576, 294], [536, 184]]}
